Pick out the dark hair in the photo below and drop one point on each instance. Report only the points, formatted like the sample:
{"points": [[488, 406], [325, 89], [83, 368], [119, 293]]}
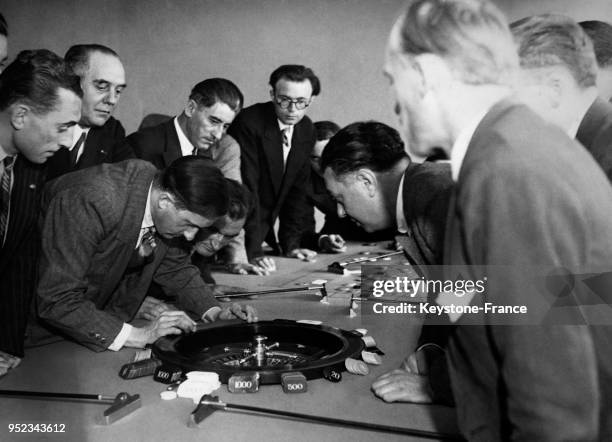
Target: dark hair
{"points": [[298, 73], [34, 78], [3, 26], [197, 185], [600, 33], [213, 90], [239, 200], [472, 36], [325, 129], [363, 144], [555, 40], [77, 56]]}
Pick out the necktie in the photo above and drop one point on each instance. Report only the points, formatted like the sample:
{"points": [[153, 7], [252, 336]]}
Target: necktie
{"points": [[143, 254], [5, 195], [74, 152], [286, 145]]}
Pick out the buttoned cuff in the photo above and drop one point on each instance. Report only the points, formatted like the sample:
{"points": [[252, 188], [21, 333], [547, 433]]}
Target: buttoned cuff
{"points": [[123, 336]]}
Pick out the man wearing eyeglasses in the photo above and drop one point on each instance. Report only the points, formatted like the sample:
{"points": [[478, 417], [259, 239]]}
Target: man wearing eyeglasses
{"points": [[276, 139]]}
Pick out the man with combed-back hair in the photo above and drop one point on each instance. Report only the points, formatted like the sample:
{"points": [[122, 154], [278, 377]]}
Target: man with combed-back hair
{"points": [[601, 35], [200, 129], [98, 137], [528, 202], [558, 81], [109, 231], [275, 140], [39, 105], [373, 181]]}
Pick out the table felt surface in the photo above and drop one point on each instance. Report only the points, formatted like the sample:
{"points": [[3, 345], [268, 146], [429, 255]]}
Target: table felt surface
{"points": [[68, 367]]}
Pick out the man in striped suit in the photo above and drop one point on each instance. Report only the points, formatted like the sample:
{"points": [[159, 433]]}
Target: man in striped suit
{"points": [[40, 102]]}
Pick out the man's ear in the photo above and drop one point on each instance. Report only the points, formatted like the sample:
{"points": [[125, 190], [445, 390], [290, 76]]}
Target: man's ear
{"points": [[368, 179], [165, 201], [271, 89], [555, 85], [19, 113], [191, 108]]}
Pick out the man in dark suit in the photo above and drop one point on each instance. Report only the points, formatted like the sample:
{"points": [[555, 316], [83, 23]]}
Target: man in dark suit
{"points": [[39, 105], [331, 237], [97, 138], [275, 140], [111, 230], [600, 33], [373, 181], [200, 130], [559, 81], [526, 199]]}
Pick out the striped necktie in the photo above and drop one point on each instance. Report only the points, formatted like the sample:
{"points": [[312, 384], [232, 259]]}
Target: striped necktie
{"points": [[286, 145], [74, 152], [5, 196]]}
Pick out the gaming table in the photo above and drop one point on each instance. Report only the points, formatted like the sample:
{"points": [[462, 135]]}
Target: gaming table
{"points": [[65, 366]]}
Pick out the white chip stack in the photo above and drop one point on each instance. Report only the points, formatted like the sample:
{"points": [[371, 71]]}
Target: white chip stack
{"points": [[198, 384]]}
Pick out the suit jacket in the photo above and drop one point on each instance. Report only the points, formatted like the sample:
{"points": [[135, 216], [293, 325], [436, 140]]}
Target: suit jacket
{"points": [[528, 200], [92, 220], [426, 194], [19, 255], [318, 197], [276, 194], [102, 145], [160, 145], [595, 133]]}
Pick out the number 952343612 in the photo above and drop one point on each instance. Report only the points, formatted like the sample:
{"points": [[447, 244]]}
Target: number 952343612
{"points": [[37, 428]]}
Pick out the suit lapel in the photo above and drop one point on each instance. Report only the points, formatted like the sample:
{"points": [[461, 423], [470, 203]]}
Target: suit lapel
{"points": [[172, 148], [24, 203], [273, 150], [297, 154], [591, 123], [92, 150]]}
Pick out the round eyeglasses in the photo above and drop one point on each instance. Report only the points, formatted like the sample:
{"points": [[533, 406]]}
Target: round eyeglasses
{"points": [[285, 102]]}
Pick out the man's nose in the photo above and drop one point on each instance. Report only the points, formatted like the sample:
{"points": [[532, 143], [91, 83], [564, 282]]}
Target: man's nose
{"points": [[112, 97], [65, 139], [190, 233], [218, 132]]}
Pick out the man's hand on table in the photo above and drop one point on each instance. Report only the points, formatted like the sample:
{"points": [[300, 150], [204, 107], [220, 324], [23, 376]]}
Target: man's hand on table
{"points": [[244, 268], [264, 262], [152, 308], [332, 243], [236, 311], [7, 362], [409, 383], [169, 322], [303, 254]]}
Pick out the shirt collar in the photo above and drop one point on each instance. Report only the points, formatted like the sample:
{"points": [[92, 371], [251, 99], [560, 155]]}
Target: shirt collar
{"points": [[402, 226], [186, 147], [147, 219], [3, 153], [76, 134], [460, 147], [283, 126], [573, 129]]}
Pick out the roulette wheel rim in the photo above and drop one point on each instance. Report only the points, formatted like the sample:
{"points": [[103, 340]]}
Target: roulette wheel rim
{"points": [[306, 348]]}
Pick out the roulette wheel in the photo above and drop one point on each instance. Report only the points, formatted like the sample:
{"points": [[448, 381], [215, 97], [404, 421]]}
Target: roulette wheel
{"points": [[269, 348]]}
